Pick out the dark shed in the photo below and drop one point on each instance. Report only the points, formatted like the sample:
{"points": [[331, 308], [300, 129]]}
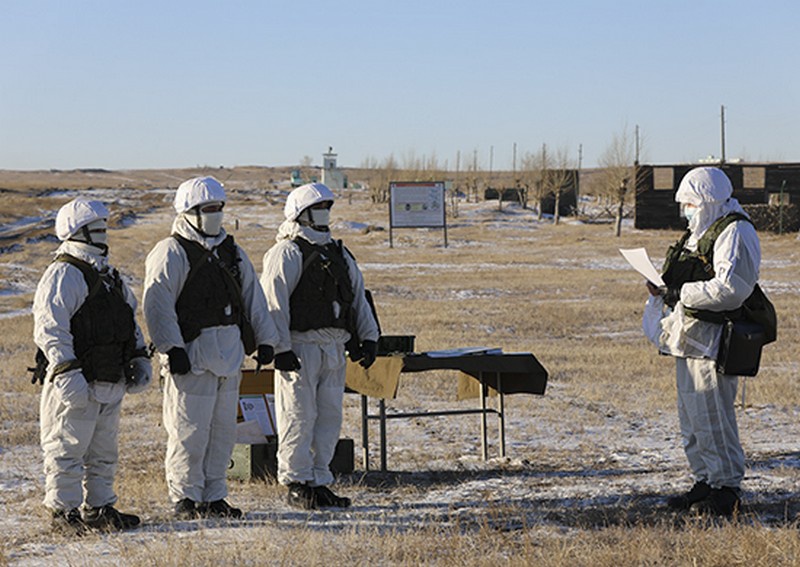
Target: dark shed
{"points": [[753, 184]]}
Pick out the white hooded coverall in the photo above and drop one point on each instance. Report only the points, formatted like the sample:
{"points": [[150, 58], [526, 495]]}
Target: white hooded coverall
{"points": [[79, 419], [199, 408], [309, 401], [705, 397]]}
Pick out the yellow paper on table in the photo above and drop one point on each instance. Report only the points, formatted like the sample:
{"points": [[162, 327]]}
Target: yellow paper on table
{"points": [[379, 381], [469, 387]]}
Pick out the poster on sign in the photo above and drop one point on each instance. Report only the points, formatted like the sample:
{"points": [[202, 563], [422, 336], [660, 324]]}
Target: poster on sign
{"points": [[417, 204]]}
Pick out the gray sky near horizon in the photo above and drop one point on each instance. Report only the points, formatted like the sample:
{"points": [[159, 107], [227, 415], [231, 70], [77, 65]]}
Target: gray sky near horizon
{"points": [[147, 84]]}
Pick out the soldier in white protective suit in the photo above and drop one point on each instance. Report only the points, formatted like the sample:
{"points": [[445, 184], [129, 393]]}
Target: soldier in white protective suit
{"points": [[91, 351], [685, 321], [315, 292], [204, 310]]}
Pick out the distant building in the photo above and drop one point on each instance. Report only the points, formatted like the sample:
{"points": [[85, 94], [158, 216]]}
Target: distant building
{"points": [[332, 176], [753, 184], [296, 178]]}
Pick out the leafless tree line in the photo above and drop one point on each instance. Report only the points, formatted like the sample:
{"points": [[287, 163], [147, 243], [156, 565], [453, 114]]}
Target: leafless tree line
{"points": [[541, 173]]}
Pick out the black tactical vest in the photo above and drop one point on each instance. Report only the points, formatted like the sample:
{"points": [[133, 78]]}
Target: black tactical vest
{"points": [[211, 295], [682, 266], [325, 280], [103, 329]]}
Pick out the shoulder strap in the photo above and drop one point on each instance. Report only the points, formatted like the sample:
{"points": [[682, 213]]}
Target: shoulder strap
{"points": [[310, 252], [90, 275], [705, 246], [195, 252]]}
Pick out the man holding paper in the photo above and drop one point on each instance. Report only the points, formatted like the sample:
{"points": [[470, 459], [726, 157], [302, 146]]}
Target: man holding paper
{"points": [[684, 319]]}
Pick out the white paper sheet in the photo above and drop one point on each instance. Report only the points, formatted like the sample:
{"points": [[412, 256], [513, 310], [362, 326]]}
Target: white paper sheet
{"points": [[249, 433], [260, 408], [462, 351], [637, 257]]}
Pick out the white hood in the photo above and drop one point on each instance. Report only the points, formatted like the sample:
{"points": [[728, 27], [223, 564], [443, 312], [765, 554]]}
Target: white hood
{"points": [[289, 230], [183, 227], [86, 252], [710, 190]]}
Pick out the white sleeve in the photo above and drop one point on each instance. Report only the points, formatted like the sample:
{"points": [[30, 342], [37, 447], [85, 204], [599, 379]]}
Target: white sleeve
{"points": [[166, 269], [60, 293], [283, 266], [366, 325], [255, 303], [737, 256], [130, 298]]}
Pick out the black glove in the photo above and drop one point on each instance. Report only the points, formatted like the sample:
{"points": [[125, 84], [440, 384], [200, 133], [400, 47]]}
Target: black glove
{"points": [[265, 354], [672, 296], [287, 361], [370, 350], [178, 361], [354, 349]]}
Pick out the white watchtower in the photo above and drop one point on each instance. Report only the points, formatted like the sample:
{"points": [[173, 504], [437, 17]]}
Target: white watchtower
{"points": [[332, 176]]}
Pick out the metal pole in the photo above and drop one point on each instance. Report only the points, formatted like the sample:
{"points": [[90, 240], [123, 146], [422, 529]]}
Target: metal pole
{"points": [[501, 420], [780, 209], [484, 445], [722, 127], [382, 408], [364, 432]]}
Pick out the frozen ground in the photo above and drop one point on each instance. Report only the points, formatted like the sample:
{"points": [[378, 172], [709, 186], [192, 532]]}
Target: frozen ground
{"points": [[602, 466], [617, 472]]}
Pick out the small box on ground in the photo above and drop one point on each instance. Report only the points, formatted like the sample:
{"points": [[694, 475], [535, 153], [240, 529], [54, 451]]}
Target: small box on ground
{"points": [[260, 461]]}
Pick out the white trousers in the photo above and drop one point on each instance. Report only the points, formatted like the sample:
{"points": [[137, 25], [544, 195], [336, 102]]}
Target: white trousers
{"points": [[308, 404], [199, 413], [708, 422], [80, 450]]}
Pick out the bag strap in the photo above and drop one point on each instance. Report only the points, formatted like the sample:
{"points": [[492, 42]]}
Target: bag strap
{"points": [[705, 246]]}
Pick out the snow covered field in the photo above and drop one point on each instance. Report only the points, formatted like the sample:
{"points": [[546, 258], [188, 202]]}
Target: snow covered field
{"points": [[582, 457]]}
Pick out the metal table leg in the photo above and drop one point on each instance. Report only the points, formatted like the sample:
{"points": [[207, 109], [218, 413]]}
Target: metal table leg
{"points": [[501, 419], [365, 431], [484, 444], [382, 407]]}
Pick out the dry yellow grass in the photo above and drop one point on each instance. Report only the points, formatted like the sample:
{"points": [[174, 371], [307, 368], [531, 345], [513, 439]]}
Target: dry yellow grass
{"points": [[561, 292]]}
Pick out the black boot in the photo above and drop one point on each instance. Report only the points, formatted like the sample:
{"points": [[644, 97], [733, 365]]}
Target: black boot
{"points": [[109, 518], [301, 496], [68, 522], [723, 501], [186, 509], [219, 509], [699, 492], [326, 498]]}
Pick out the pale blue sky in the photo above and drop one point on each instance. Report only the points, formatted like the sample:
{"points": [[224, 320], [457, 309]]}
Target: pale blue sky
{"points": [[150, 84]]}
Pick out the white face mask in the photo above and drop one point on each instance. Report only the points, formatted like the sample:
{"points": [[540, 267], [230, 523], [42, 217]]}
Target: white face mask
{"points": [[210, 223], [98, 232], [688, 212], [97, 236], [320, 217]]}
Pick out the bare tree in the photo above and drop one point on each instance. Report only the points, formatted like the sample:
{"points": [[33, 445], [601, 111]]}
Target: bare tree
{"points": [[473, 177], [618, 168], [380, 176], [547, 173]]}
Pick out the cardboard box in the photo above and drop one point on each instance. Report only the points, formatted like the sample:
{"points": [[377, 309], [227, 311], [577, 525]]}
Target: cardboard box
{"points": [[260, 461]]}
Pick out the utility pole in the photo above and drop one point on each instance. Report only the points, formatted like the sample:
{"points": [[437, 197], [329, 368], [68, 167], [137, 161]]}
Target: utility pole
{"points": [[578, 178], [636, 142], [722, 126]]}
